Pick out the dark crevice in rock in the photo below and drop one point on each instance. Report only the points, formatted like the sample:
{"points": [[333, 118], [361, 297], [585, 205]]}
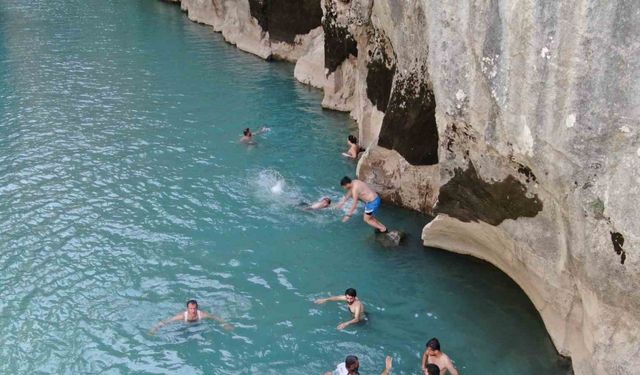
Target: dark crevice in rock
{"points": [[338, 41], [409, 125], [526, 171], [618, 241], [467, 197], [258, 10], [380, 71], [284, 19]]}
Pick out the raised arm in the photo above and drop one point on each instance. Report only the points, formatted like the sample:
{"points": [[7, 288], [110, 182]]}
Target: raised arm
{"points": [[320, 301], [388, 362]]}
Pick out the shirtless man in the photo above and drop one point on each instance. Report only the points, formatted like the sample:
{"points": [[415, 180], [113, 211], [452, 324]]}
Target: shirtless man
{"points": [[354, 149], [351, 365], [247, 135], [353, 303], [191, 315], [359, 190], [435, 356]]}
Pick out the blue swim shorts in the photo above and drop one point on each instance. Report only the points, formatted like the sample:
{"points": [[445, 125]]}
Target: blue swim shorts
{"points": [[370, 208]]}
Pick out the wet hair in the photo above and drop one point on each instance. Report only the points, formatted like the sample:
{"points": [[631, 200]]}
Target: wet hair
{"points": [[327, 199], [192, 302], [246, 131], [353, 139], [345, 180], [350, 292], [434, 344], [350, 361], [433, 369]]}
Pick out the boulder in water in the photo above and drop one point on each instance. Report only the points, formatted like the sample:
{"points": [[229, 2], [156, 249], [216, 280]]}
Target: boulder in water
{"points": [[391, 238]]}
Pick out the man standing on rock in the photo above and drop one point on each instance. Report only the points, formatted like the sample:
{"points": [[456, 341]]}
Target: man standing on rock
{"points": [[433, 355], [359, 190]]}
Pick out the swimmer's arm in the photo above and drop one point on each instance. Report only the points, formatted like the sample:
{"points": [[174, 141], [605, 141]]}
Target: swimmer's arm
{"points": [[347, 155], [330, 299], [388, 365], [263, 129], [163, 323], [449, 366], [343, 200], [356, 318], [225, 325], [424, 361]]}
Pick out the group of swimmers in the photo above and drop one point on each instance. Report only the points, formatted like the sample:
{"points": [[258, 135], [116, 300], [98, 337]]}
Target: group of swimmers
{"points": [[355, 189], [434, 361]]}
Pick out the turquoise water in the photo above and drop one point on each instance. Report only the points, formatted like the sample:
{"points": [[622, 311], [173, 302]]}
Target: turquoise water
{"points": [[124, 192]]}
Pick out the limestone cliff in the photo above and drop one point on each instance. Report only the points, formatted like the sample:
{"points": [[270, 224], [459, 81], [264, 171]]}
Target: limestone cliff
{"points": [[515, 123], [278, 29]]}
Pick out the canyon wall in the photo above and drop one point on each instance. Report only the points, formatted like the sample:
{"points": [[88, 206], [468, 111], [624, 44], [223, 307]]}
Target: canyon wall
{"points": [[514, 123]]}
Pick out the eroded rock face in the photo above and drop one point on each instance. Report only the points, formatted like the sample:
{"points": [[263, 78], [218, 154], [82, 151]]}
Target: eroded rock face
{"points": [[517, 124], [283, 29]]}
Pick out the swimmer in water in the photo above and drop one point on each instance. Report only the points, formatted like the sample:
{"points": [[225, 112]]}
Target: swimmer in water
{"points": [[359, 190], [247, 135], [433, 355], [191, 315], [353, 303], [351, 365], [319, 205], [354, 150]]}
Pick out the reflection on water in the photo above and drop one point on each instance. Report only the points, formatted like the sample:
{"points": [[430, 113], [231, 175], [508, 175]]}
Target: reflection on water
{"points": [[124, 192]]}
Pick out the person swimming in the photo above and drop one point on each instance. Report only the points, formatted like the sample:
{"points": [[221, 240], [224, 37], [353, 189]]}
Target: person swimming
{"points": [[324, 202], [351, 366], [354, 150], [191, 315], [356, 307], [247, 135], [433, 355]]}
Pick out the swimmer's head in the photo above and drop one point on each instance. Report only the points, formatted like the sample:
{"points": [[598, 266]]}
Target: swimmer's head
{"points": [[192, 306], [247, 132], [433, 346], [353, 139], [345, 182], [433, 369], [350, 294], [352, 364], [326, 201]]}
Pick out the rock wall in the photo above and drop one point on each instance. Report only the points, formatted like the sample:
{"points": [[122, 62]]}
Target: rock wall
{"points": [[515, 123], [280, 29]]}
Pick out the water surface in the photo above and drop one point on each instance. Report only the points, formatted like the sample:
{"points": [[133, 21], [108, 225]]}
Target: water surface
{"points": [[124, 192]]}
